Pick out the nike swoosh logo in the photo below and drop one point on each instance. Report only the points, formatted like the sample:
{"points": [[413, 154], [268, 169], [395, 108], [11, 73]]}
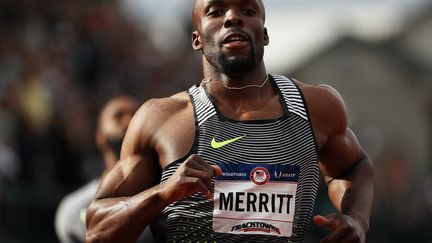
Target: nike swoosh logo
{"points": [[217, 145]]}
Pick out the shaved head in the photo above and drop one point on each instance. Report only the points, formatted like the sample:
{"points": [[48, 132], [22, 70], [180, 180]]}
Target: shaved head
{"points": [[198, 3]]}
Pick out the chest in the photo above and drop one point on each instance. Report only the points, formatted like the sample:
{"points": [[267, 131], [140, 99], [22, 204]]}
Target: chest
{"points": [[270, 171], [287, 139], [252, 110]]}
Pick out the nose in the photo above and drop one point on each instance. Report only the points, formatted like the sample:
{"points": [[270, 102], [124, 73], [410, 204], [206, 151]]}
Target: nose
{"points": [[232, 18]]}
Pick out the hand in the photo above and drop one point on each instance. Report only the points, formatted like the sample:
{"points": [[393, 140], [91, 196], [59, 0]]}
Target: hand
{"points": [[193, 175], [344, 228]]}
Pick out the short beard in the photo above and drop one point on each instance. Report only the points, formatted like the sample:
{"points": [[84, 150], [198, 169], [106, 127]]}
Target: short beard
{"points": [[115, 145], [234, 66], [237, 65]]}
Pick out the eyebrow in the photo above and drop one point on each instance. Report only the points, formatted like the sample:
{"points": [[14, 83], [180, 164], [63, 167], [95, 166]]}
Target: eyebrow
{"points": [[226, 1]]}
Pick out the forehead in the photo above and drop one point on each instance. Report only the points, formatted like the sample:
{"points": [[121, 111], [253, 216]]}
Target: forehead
{"points": [[119, 107], [201, 5], [205, 3]]}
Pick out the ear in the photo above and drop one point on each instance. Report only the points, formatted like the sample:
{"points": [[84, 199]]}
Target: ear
{"points": [[266, 37], [196, 41]]}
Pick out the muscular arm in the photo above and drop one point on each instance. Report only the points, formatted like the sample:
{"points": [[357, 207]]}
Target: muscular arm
{"points": [[350, 187], [347, 169], [129, 196]]}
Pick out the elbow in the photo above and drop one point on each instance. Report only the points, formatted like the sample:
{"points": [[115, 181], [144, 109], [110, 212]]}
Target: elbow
{"points": [[362, 169], [368, 169], [93, 233], [93, 238], [100, 227]]}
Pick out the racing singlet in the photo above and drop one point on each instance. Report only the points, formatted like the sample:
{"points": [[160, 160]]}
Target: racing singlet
{"points": [[267, 190]]}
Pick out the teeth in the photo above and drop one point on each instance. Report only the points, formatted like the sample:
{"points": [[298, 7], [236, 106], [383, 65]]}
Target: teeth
{"points": [[235, 39]]}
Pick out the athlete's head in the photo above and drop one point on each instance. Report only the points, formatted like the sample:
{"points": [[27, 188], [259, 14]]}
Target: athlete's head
{"points": [[230, 33], [113, 122]]}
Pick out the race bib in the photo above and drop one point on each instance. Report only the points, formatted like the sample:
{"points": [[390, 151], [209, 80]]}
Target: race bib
{"points": [[255, 199]]}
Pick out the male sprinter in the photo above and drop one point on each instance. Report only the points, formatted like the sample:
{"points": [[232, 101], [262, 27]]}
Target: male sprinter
{"points": [[237, 157]]}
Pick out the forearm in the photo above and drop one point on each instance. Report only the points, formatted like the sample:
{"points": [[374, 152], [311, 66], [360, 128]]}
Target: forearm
{"points": [[122, 219], [352, 193]]}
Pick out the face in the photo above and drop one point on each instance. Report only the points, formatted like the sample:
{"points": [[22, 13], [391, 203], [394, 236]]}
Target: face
{"points": [[230, 33], [114, 121]]}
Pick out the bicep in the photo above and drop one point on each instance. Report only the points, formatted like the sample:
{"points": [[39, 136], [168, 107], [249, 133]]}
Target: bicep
{"points": [[138, 168], [341, 149], [130, 176]]}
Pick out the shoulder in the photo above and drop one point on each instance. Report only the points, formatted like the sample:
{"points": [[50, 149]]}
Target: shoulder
{"points": [[163, 107], [154, 112], [326, 107], [153, 115]]}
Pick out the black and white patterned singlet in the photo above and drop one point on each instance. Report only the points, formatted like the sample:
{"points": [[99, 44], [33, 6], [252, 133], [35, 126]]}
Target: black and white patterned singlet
{"points": [[270, 175]]}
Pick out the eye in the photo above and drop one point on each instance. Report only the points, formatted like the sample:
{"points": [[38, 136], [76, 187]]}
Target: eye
{"points": [[118, 115], [215, 12], [248, 11]]}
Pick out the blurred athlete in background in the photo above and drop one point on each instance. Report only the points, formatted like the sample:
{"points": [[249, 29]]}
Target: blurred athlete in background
{"points": [[113, 122]]}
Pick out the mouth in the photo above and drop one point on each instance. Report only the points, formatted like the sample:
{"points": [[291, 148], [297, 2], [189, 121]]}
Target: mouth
{"points": [[235, 41]]}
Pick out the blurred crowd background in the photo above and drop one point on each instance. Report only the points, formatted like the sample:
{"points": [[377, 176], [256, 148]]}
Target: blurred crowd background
{"points": [[61, 61]]}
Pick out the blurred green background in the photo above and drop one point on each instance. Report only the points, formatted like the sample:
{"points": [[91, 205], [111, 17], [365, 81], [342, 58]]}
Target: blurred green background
{"points": [[60, 61]]}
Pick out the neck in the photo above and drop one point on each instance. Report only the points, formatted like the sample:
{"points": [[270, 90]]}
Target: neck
{"points": [[252, 81], [235, 102]]}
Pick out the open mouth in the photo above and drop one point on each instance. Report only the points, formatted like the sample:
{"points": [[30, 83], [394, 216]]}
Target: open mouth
{"points": [[235, 40]]}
